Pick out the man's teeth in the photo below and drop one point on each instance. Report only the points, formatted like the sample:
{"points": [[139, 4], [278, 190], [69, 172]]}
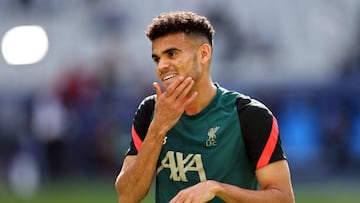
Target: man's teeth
{"points": [[169, 77]]}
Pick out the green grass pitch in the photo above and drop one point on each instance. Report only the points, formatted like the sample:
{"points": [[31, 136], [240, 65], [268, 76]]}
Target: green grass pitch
{"points": [[104, 192]]}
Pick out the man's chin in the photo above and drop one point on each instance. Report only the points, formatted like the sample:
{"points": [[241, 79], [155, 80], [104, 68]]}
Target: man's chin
{"points": [[167, 83]]}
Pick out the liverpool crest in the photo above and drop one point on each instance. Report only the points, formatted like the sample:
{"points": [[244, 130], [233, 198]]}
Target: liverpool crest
{"points": [[211, 141]]}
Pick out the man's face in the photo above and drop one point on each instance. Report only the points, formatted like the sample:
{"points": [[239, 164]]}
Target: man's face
{"points": [[175, 55]]}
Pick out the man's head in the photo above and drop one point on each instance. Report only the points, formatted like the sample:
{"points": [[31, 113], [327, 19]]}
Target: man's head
{"points": [[180, 22], [181, 46]]}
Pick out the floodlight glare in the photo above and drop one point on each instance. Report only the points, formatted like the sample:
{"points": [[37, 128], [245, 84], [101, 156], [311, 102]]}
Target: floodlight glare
{"points": [[23, 45]]}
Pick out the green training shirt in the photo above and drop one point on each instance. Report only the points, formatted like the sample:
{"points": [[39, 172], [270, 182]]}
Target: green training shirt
{"points": [[226, 142]]}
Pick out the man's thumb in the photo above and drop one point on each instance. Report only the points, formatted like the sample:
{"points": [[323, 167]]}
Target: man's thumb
{"points": [[158, 89]]}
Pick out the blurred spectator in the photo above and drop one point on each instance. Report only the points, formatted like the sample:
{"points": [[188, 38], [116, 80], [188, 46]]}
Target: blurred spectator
{"points": [[48, 125], [79, 92], [12, 125]]}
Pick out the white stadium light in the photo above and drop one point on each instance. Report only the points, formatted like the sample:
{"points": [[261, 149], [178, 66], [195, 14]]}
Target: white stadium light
{"points": [[24, 45]]}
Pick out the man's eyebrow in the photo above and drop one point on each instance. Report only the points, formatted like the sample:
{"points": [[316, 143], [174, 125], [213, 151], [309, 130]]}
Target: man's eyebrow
{"points": [[166, 51], [170, 50]]}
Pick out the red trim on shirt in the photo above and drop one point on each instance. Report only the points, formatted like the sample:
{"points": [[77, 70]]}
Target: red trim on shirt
{"points": [[270, 145], [136, 138]]}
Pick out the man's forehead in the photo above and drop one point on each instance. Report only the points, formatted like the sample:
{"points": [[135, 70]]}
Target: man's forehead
{"points": [[163, 43]]}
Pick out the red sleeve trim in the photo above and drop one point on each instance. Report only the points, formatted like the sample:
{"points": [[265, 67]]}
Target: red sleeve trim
{"points": [[136, 138], [270, 145]]}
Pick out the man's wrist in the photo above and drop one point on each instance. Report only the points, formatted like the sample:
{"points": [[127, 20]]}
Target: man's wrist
{"points": [[158, 129], [214, 187]]}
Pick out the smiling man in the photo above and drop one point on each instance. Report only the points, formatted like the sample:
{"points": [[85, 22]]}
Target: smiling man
{"points": [[203, 142]]}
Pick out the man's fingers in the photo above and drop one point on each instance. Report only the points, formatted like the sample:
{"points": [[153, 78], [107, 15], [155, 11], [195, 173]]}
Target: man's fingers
{"points": [[171, 89], [183, 92], [157, 89], [183, 88], [178, 90]]}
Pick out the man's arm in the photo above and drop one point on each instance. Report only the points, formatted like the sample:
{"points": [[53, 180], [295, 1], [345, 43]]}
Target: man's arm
{"points": [[275, 183], [274, 180], [135, 178]]}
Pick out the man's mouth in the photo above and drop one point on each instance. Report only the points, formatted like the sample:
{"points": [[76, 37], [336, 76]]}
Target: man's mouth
{"points": [[168, 77]]}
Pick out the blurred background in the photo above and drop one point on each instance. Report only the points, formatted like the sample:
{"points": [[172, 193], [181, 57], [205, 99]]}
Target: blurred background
{"points": [[65, 120]]}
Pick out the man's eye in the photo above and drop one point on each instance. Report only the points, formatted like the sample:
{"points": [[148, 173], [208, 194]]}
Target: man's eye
{"points": [[156, 60], [172, 54]]}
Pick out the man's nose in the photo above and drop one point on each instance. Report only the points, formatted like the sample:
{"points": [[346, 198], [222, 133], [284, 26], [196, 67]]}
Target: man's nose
{"points": [[163, 64]]}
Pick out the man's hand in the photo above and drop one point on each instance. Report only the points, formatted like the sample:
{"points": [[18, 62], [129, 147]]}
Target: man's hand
{"points": [[199, 193], [170, 105]]}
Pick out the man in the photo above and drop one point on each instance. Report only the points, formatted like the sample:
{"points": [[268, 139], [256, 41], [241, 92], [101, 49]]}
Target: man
{"points": [[203, 142]]}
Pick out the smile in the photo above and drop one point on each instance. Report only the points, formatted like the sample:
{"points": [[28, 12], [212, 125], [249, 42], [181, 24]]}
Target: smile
{"points": [[168, 77]]}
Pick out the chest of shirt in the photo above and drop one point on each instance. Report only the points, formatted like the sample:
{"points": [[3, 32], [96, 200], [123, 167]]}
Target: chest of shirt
{"points": [[207, 141]]}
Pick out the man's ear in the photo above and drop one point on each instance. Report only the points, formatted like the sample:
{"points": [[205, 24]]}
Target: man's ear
{"points": [[205, 52]]}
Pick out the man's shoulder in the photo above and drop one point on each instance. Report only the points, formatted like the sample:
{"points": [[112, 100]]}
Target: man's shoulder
{"points": [[148, 101], [241, 100], [146, 106], [244, 102], [250, 106]]}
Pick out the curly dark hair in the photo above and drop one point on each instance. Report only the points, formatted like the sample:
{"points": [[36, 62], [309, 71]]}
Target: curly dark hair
{"points": [[180, 21]]}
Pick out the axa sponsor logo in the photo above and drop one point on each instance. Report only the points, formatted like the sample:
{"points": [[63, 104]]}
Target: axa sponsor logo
{"points": [[179, 164]]}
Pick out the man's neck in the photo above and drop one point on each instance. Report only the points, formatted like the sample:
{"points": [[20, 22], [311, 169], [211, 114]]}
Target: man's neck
{"points": [[206, 93]]}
